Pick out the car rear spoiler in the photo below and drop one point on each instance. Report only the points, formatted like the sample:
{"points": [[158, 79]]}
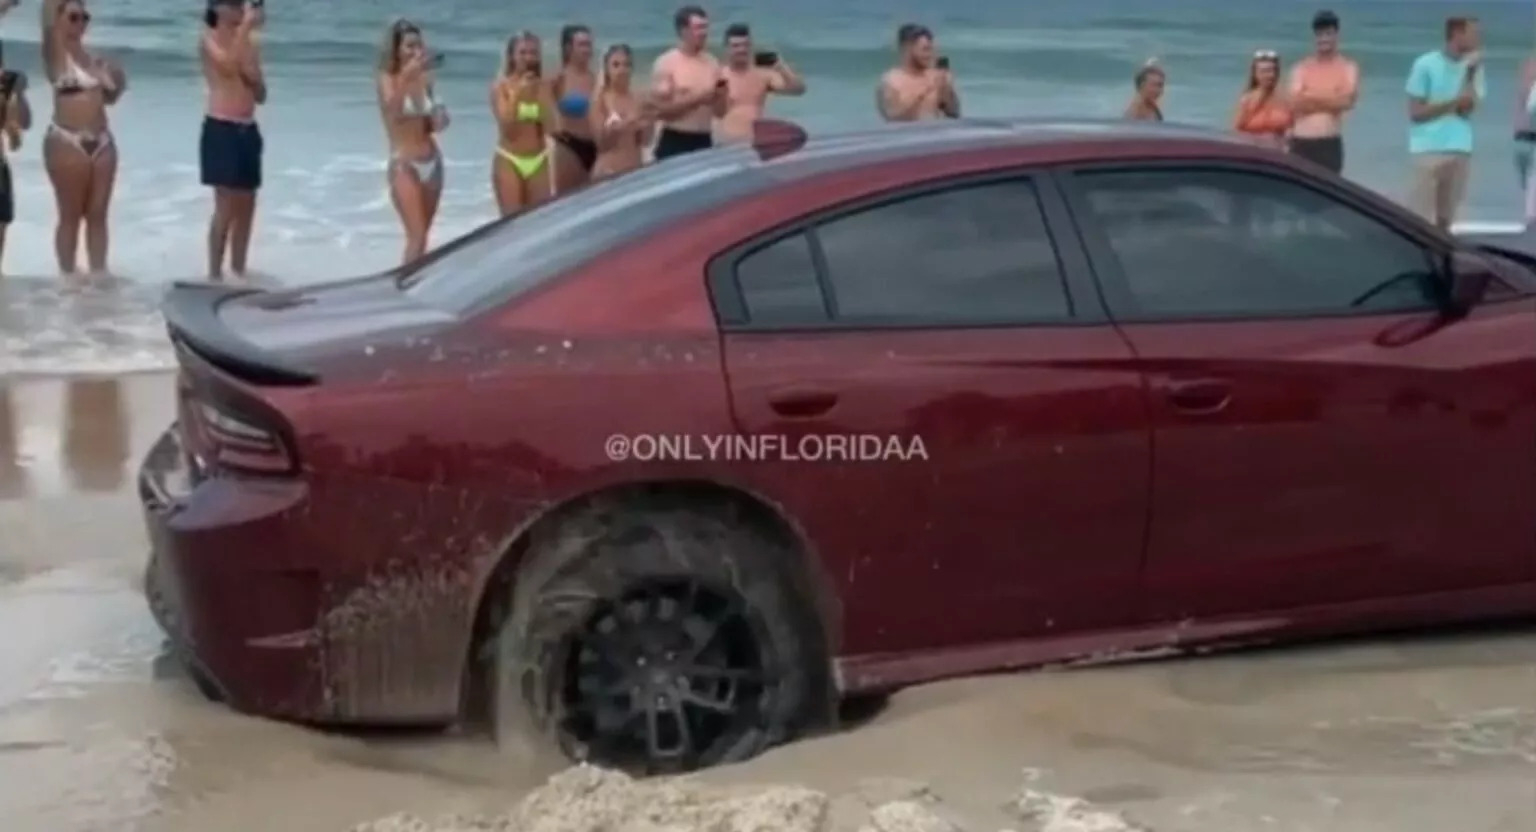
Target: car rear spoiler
{"points": [[192, 316]]}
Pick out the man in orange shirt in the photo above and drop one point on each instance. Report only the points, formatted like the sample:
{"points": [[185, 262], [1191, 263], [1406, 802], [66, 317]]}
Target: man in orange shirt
{"points": [[1323, 88]]}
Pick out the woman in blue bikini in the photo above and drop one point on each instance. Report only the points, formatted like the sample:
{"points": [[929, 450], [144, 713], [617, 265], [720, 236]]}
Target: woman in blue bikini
{"points": [[573, 95], [412, 119], [523, 166]]}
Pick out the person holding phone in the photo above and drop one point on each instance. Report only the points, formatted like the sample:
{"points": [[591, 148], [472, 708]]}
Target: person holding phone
{"points": [[750, 78], [523, 165], [573, 86], [230, 146], [920, 86], [15, 119], [1444, 88], [621, 125], [78, 151], [412, 119], [688, 91]]}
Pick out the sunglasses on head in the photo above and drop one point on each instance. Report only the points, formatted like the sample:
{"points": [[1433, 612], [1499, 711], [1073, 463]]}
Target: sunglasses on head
{"points": [[1266, 55]]}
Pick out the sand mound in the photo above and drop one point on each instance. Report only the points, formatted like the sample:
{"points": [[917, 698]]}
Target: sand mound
{"points": [[589, 799]]}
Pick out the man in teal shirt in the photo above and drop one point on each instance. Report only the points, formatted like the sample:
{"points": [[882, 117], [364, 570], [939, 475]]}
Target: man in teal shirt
{"points": [[1443, 90]]}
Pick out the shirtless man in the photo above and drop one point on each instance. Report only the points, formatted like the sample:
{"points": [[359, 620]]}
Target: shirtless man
{"points": [[918, 87], [750, 81], [687, 88], [230, 148], [1323, 88]]}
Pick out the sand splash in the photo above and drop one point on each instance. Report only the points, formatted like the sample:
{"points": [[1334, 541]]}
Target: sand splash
{"points": [[589, 799]]}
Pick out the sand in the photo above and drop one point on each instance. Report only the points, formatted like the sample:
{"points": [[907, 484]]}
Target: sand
{"points": [[98, 735]]}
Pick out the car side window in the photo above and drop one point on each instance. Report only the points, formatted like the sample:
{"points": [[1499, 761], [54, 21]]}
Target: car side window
{"points": [[969, 254], [778, 283], [1230, 243]]}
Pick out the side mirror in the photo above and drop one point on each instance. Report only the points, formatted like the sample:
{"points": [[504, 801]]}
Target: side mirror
{"points": [[1469, 275]]}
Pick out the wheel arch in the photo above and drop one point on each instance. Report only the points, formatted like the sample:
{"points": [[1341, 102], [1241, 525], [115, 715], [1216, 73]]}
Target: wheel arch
{"points": [[806, 572]]}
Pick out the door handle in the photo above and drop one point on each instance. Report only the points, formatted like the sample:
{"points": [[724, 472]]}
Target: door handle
{"points": [[802, 403], [1199, 396]]}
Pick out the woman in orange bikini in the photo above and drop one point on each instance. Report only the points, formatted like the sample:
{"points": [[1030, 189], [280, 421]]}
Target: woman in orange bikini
{"points": [[1263, 113]]}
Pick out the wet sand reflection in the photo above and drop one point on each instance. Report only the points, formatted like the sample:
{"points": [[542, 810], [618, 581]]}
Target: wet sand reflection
{"points": [[13, 477], [95, 434]]}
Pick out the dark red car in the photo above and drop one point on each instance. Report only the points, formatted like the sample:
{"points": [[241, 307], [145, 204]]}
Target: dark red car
{"points": [[1169, 389]]}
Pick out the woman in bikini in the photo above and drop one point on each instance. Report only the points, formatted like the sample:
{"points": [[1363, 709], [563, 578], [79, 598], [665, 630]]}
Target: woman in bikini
{"points": [[621, 126], [412, 119], [1263, 113], [522, 168], [78, 151], [1146, 104], [573, 95]]}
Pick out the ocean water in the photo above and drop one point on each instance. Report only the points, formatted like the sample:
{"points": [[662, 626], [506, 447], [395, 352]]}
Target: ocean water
{"points": [[324, 211]]}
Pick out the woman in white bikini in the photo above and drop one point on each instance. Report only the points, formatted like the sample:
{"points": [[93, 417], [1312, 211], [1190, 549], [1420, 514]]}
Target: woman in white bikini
{"points": [[412, 119], [619, 122], [78, 152]]}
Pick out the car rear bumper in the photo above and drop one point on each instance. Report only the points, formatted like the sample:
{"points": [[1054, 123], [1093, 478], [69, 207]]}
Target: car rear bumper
{"points": [[315, 599], [244, 625]]}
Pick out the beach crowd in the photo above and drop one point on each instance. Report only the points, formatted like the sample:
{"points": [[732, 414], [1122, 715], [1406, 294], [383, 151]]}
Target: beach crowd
{"points": [[560, 129]]}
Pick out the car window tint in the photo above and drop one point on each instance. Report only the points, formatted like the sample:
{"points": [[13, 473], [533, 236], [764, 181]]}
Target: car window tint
{"points": [[778, 283], [1230, 243], [977, 253], [512, 255]]}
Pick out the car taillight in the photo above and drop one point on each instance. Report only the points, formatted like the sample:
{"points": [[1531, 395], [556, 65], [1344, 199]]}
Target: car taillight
{"points": [[236, 443]]}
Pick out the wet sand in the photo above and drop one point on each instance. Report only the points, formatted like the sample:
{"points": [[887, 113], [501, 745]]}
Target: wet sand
{"points": [[1409, 735]]}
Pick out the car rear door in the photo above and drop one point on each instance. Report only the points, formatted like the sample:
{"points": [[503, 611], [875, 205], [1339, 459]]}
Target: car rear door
{"points": [[1321, 434], [943, 315]]}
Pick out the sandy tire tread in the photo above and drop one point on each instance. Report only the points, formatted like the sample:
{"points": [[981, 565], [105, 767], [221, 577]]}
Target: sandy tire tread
{"points": [[595, 552]]}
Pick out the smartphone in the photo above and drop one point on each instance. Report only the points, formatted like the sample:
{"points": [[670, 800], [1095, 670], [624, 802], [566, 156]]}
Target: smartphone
{"points": [[436, 61], [765, 59], [943, 62]]}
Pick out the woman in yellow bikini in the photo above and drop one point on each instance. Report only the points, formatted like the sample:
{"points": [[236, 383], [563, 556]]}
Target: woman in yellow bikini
{"points": [[522, 168]]}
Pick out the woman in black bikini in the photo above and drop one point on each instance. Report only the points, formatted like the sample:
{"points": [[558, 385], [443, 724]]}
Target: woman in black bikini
{"points": [[1146, 104], [412, 119], [78, 152], [573, 88]]}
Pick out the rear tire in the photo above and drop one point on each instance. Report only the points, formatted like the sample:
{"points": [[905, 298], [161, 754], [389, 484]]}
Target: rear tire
{"points": [[656, 638]]}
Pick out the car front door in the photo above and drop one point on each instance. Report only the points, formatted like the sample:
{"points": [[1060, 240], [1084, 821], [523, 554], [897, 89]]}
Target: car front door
{"points": [[944, 317], [1322, 434]]}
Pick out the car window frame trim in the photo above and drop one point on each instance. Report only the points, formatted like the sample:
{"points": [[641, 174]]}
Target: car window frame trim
{"points": [[1084, 299], [1122, 305]]}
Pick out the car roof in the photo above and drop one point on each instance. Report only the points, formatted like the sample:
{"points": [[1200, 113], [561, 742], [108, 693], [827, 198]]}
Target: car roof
{"points": [[899, 141]]}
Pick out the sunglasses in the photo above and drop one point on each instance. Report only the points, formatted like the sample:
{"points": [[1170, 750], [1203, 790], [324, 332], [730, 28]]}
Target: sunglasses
{"points": [[78, 17], [1266, 55]]}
